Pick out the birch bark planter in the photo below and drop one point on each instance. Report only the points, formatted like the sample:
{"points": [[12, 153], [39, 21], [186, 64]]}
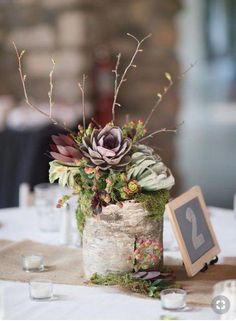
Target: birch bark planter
{"points": [[109, 239]]}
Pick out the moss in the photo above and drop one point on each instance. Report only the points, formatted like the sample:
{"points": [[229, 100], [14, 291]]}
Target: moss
{"points": [[127, 282], [122, 279], [154, 202], [83, 210]]}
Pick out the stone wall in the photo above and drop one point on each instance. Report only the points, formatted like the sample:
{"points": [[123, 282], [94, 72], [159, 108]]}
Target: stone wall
{"points": [[45, 29], [70, 30]]}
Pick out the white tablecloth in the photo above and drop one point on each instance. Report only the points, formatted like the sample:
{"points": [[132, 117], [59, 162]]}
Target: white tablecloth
{"points": [[80, 302]]}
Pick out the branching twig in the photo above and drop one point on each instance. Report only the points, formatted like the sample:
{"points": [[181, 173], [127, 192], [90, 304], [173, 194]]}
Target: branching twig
{"points": [[23, 79], [163, 130], [157, 132], [165, 91], [123, 79], [81, 87]]}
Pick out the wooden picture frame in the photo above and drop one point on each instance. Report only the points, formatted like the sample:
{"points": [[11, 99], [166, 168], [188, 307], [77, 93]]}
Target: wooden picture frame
{"points": [[190, 220]]}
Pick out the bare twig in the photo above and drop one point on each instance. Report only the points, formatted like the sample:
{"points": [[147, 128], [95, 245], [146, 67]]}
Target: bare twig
{"points": [[81, 87], [23, 79], [165, 91], [160, 97], [51, 89], [187, 70], [116, 70], [123, 79], [95, 123], [157, 132], [163, 130]]}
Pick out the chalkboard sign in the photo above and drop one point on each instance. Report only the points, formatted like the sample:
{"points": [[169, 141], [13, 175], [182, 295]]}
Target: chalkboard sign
{"points": [[192, 227]]}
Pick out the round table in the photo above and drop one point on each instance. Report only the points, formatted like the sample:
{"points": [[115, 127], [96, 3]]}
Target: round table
{"points": [[80, 302]]}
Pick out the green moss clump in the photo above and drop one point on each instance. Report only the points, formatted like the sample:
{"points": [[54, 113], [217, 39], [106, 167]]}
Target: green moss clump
{"points": [[127, 282], [122, 279], [83, 210], [154, 202]]}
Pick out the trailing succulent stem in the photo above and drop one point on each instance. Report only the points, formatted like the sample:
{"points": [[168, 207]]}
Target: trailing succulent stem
{"points": [[83, 210]]}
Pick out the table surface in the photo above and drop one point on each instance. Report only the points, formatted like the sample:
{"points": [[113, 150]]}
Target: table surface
{"points": [[80, 302]]}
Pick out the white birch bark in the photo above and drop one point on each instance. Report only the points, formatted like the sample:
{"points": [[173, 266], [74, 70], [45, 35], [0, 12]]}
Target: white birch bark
{"points": [[109, 238]]}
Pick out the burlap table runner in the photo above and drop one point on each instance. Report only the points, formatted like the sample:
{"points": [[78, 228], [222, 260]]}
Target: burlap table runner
{"points": [[64, 265], [200, 287]]}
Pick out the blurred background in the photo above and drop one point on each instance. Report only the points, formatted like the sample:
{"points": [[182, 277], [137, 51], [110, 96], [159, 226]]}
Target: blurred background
{"points": [[85, 36]]}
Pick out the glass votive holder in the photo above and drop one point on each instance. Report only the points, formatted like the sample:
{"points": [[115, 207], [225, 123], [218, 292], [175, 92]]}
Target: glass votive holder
{"points": [[173, 299], [45, 201], [33, 263], [40, 289]]}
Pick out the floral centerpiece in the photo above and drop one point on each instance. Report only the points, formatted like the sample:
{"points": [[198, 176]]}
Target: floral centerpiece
{"points": [[121, 184]]}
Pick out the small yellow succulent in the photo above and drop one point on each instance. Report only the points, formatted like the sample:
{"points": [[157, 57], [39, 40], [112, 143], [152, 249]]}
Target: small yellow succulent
{"points": [[133, 186]]}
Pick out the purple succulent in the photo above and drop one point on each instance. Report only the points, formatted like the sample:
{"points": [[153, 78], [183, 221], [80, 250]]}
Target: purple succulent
{"points": [[153, 275], [96, 204], [64, 149], [106, 148]]}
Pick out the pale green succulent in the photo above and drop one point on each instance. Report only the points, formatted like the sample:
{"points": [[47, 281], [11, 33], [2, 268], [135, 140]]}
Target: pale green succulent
{"points": [[64, 174], [149, 171]]}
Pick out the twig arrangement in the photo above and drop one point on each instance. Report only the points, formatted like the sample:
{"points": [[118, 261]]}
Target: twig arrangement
{"points": [[119, 80], [110, 164]]}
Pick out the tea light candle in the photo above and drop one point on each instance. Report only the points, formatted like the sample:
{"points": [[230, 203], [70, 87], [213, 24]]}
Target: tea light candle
{"points": [[33, 263], [173, 299], [40, 289]]}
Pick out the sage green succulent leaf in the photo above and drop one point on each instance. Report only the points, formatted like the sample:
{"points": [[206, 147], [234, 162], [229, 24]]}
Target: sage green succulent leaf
{"points": [[149, 171]]}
